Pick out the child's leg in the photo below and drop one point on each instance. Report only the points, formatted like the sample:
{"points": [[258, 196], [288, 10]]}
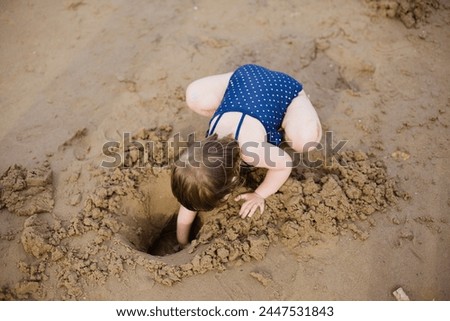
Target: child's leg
{"points": [[301, 124], [204, 95]]}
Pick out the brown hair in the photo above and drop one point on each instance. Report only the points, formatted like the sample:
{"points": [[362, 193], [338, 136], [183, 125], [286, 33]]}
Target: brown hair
{"points": [[206, 172]]}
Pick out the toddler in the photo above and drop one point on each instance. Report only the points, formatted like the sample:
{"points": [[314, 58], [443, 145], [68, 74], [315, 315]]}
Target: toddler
{"points": [[251, 109]]}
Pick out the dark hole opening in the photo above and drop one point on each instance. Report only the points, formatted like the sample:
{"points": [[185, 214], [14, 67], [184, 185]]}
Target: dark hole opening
{"points": [[167, 243]]}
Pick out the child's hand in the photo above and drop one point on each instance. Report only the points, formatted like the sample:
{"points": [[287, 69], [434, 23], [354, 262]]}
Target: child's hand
{"points": [[252, 202]]}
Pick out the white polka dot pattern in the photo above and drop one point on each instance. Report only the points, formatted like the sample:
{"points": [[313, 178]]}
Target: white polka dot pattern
{"points": [[260, 93]]}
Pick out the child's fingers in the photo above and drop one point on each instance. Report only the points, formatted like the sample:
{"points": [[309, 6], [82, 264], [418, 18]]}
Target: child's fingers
{"points": [[255, 207], [249, 208], [245, 208], [250, 205], [262, 207], [253, 210]]}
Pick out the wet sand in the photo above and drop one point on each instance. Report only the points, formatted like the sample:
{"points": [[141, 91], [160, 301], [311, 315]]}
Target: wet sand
{"points": [[76, 75]]}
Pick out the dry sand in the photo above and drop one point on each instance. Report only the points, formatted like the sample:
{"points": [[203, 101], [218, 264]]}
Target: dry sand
{"points": [[78, 74]]}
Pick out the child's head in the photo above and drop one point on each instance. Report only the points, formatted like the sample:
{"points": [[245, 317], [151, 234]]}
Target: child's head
{"points": [[205, 173]]}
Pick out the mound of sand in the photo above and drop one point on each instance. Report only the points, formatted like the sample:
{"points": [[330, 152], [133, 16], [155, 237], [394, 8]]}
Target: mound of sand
{"points": [[128, 219], [410, 12], [26, 192]]}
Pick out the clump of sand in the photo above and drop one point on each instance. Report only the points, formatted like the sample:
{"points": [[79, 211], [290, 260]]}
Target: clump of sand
{"points": [[27, 192], [127, 220], [333, 200], [410, 12], [151, 146]]}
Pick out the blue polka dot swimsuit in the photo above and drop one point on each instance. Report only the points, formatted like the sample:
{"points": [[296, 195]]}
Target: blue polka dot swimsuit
{"points": [[261, 93]]}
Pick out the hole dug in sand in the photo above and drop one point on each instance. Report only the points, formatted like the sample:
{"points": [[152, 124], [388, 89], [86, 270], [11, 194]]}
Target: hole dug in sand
{"points": [[149, 223], [165, 240], [166, 243], [149, 208]]}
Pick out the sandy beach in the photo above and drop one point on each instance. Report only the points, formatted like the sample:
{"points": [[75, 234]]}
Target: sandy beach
{"points": [[84, 81]]}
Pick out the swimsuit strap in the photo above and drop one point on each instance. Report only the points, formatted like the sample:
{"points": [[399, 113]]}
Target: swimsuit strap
{"points": [[238, 129], [215, 124]]}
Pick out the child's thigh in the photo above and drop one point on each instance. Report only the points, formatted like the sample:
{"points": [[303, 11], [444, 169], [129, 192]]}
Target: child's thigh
{"points": [[205, 94], [301, 124]]}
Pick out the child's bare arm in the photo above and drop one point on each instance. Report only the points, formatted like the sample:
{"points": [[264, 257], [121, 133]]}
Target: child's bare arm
{"points": [[279, 164], [272, 182], [184, 222], [274, 179]]}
